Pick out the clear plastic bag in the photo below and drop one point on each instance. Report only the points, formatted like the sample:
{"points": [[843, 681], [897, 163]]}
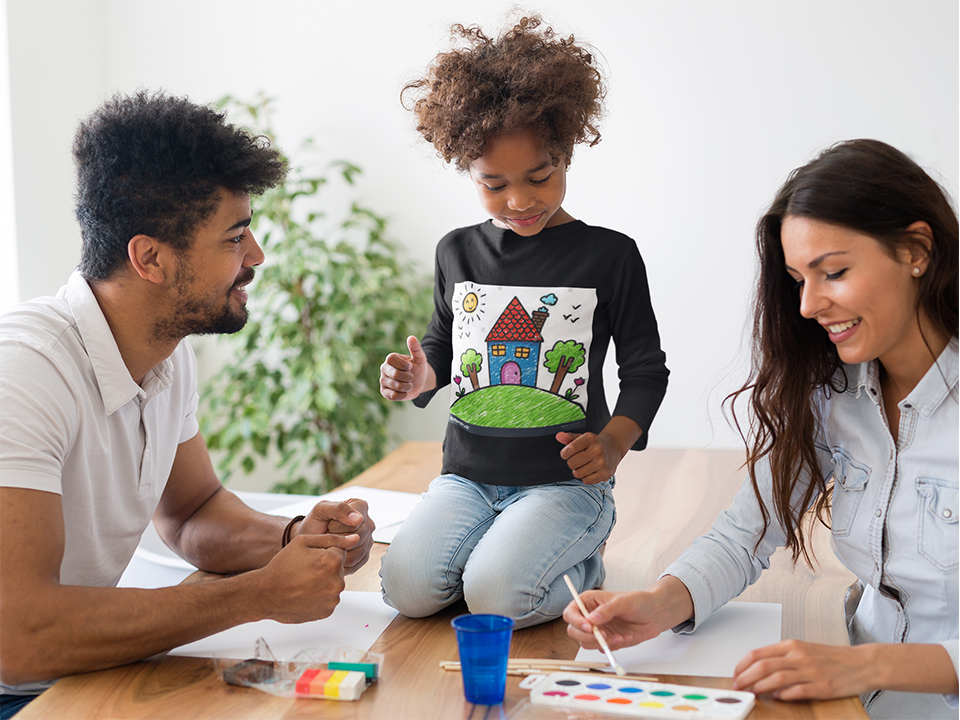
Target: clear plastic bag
{"points": [[341, 674]]}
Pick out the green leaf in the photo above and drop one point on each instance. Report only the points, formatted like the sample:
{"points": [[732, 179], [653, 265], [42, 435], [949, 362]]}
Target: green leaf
{"points": [[333, 298]]}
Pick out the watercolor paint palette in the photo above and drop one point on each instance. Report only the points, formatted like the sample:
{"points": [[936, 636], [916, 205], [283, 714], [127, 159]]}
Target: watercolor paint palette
{"points": [[636, 698]]}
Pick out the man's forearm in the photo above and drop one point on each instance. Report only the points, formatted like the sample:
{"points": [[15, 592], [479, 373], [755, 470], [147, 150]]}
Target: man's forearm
{"points": [[66, 629], [226, 536], [50, 630]]}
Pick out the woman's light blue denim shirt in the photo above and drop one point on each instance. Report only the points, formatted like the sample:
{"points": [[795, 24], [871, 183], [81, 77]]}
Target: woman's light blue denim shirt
{"points": [[894, 524]]}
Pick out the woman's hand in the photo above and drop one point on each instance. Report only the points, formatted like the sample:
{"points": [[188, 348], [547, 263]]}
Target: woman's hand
{"points": [[629, 618], [623, 618], [795, 670]]}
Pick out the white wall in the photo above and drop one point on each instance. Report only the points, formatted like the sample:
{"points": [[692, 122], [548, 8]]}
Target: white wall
{"points": [[9, 275], [711, 104]]}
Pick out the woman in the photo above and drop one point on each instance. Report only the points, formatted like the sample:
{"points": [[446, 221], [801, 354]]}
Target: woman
{"points": [[853, 419]]}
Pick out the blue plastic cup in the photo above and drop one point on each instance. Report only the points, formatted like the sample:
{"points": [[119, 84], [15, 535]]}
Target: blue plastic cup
{"points": [[484, 642]]}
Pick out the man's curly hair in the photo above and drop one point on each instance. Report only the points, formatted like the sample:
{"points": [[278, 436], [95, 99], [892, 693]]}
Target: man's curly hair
{"points": [[155, 164], [526, 78]]}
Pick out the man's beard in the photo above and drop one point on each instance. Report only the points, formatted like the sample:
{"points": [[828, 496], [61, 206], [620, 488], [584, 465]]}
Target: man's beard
{"points": [[211, 315]]}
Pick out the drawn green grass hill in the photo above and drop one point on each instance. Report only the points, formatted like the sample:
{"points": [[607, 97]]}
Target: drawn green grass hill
{"points": [[515, 406]]}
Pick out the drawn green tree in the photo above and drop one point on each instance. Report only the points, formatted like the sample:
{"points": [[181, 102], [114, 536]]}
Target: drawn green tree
{"points": [[566, 356], [471, 363]]}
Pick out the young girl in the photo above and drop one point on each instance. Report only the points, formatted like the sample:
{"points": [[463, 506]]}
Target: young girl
{"points": [[853, 401], [525, 307]]}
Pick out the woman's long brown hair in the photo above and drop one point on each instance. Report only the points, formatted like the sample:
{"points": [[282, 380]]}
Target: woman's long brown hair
{"points": [[875, 189]]}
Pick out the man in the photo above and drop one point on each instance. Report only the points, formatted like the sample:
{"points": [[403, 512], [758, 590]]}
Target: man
{"points": [[98, 401]]}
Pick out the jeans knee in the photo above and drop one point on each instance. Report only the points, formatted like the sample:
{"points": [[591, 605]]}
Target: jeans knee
{"points": [[521, 597], [504, 603], [495, 594], [515, 603], [410, 588]]}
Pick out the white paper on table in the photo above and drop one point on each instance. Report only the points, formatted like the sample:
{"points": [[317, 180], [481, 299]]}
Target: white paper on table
{"points": [[388, 508], [385, 534], [356, 622], [713, 650]]}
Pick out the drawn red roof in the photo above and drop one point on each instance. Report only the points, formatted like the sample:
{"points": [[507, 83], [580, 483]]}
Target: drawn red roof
{"points": [[514, 325]]}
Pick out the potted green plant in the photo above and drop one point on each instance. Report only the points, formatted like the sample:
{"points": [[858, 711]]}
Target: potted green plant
{"points": [[332, 299]]}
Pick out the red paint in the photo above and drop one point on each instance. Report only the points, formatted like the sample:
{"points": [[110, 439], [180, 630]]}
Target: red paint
{"points": [[303, 684]]}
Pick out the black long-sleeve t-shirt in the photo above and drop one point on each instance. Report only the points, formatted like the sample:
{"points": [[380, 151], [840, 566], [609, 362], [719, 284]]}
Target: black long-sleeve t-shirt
{"points": [[520, 330]]}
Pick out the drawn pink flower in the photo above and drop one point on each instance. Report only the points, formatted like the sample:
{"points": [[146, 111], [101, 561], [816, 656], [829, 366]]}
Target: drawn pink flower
{"points": [[457, 379], [578, 382]]}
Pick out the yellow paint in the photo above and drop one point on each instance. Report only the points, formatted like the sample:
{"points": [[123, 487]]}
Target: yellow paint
{"points": [[332, 686]]}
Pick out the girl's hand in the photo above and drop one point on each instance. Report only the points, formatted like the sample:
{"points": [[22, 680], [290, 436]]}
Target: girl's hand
{"points": [[404, 377], [594, 458], [796, 670], [591, 458]]}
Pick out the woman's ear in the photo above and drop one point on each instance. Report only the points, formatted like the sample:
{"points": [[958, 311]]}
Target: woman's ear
{"points": [[145, 256], [916, 253]]}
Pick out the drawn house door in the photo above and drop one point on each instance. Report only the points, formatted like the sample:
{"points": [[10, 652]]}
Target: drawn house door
{"points": [[510, 373]]}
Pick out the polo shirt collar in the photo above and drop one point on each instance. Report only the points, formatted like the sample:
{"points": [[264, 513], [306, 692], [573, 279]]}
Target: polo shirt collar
{"points": [[117, 387]]}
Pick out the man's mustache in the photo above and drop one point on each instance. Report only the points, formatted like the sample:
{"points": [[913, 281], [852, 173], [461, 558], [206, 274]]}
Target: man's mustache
{"points": [[244, 277]]}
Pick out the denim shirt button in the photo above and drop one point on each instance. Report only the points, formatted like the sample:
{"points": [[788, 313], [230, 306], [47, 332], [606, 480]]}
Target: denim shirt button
{"points": [[947, 513], [879, 512]]}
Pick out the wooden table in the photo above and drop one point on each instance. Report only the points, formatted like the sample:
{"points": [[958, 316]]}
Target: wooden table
{"points": [[665, 498]]}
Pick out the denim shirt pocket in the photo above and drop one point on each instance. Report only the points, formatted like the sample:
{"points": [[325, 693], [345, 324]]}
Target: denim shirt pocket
{"points": [[937, 523], [850, 478]]}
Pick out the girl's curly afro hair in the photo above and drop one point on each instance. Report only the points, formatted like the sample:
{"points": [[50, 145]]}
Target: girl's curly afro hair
{"points": [[526, 78]]}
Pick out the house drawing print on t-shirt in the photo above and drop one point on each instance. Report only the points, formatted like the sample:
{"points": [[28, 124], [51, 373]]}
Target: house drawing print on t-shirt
{"points": [[513, 346], [496, 371]]}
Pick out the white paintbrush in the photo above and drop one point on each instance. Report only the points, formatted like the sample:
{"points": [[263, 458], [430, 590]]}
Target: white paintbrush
{"points": [[596, 632]]}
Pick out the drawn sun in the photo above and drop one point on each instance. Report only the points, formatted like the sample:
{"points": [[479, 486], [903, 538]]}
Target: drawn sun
{"points": [[470, 301]]}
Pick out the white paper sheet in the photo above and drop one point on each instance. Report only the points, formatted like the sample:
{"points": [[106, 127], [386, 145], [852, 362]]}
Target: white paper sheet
{"points": [[712, 651], [356, 622], [388, 508]]}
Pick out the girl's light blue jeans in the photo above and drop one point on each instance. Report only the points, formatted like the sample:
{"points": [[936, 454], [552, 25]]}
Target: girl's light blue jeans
{"points": [[504, 549]]}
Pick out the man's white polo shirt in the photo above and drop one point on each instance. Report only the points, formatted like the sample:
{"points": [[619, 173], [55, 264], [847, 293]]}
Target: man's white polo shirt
{"points": [[73, 422]]}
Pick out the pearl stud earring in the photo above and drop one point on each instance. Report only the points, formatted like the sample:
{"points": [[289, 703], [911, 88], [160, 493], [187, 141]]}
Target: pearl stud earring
{"points": [[916, 272]]}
